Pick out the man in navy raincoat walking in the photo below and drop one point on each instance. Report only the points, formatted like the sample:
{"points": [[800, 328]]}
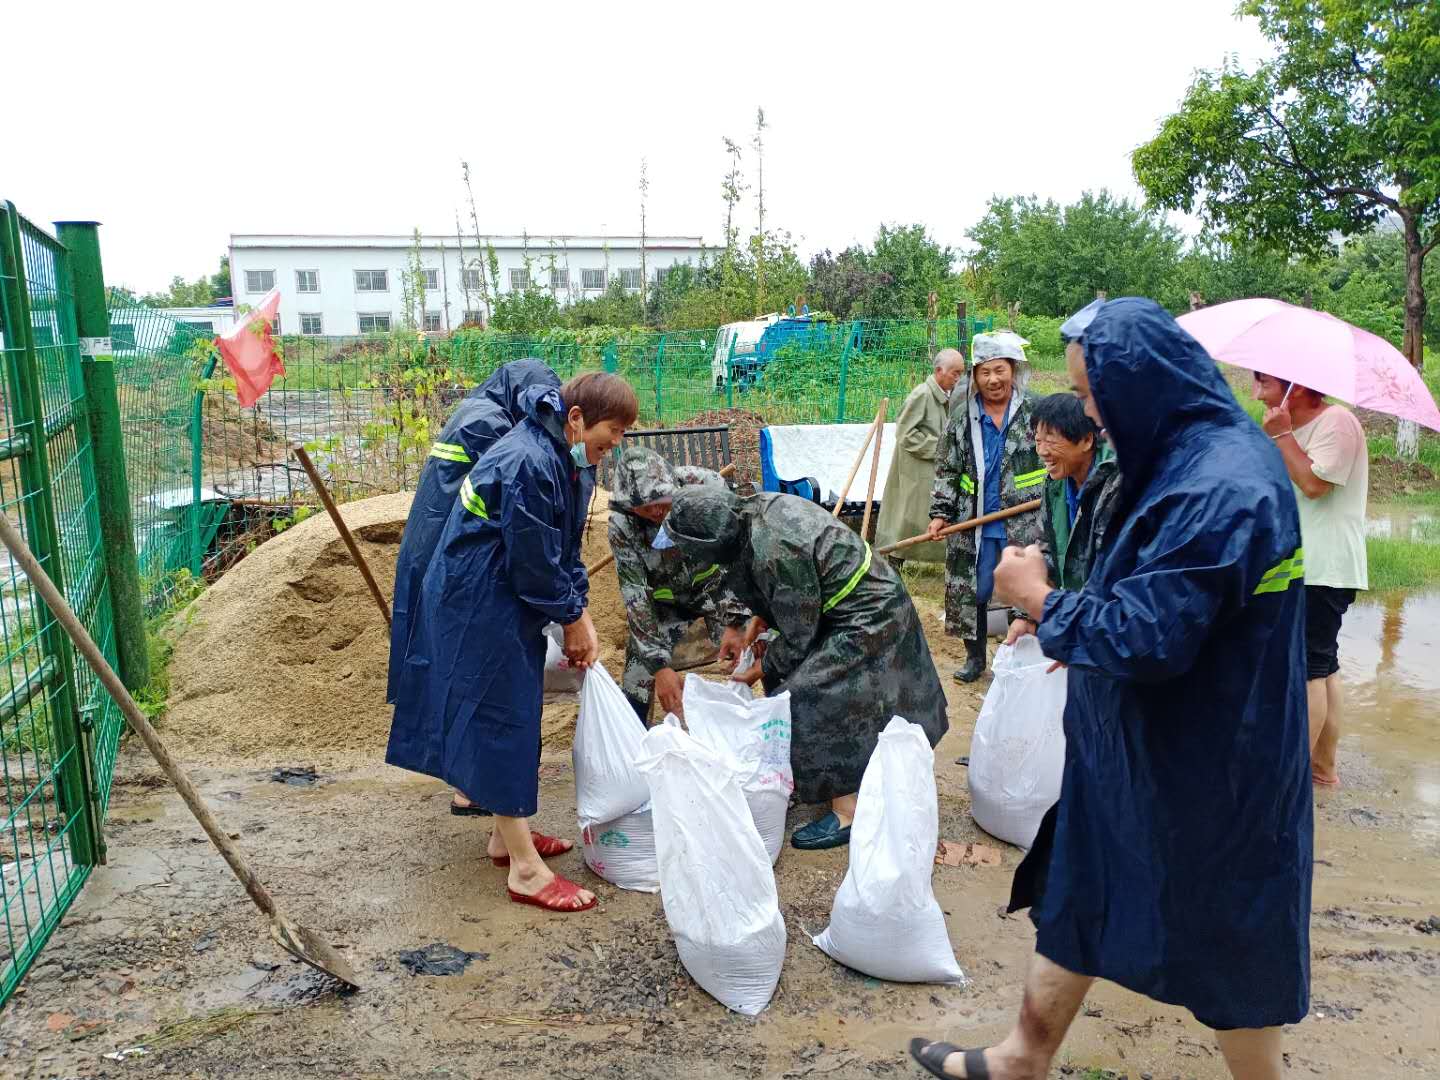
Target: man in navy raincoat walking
{"points": [[1177, 862], [486, 413]]}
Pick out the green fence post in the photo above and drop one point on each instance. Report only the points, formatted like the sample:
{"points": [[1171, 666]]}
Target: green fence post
{"points": [[844, 372], [659, 367], [197, 464], [27, 412], [112, 489]]}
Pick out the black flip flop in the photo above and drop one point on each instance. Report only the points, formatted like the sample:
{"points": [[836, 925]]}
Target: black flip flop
{"points": [[931, 1057], [468, 811]]}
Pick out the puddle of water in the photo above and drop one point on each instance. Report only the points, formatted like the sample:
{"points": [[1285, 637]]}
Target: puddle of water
{"points": [[1403, 523], [1389, 648]]}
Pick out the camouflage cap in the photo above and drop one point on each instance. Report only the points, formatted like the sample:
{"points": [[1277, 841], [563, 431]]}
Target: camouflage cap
{"points": [[707, 523], [642, 477]]}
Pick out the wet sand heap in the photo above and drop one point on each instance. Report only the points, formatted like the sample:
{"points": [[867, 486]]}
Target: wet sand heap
{"points": [[286, 655]]}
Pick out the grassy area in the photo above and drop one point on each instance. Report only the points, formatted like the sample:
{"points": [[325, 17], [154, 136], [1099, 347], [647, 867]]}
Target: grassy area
{"points": [[1406, 563]]}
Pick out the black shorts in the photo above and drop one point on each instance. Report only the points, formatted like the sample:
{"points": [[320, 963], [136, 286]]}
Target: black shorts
{"points": [[1324, 608]]}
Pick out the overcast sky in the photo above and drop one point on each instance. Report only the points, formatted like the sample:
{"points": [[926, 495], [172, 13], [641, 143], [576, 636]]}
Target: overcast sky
{"points": [[176, 125]]}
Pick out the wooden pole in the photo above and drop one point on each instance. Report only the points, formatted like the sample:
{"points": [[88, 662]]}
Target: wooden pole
{"points": [[727, 471], [950, 530], [334, 512], [874, 465], [859, 458]]}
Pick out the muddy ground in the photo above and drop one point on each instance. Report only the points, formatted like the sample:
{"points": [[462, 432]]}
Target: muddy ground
{"points": [[164, 952]]}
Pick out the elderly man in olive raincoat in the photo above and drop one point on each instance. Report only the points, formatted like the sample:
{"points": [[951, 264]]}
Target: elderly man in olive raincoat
{"points": [[905, 510], [664, 590], [850, 649]]}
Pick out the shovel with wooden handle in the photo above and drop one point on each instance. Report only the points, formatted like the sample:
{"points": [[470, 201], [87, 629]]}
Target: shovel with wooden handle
{"points": [[301, 943], [340, 526], [950, 530]]}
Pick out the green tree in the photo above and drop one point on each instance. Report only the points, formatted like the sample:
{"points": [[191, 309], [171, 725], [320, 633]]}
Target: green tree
{"points": [[1218, 270], [220, 280], [1340, 130], [1053, 259], [907, 264]]}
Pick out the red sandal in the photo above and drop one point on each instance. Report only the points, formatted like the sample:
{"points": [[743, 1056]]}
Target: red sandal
{"points": [[558, 896], [547, 847]]}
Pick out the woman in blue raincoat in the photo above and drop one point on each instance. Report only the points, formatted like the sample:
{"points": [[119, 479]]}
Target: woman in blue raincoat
{"points": [[1177, 862], [469, 693], [485, 414]]}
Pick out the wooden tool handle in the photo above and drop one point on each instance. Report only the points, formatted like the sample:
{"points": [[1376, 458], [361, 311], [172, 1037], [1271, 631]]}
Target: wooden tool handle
{"points": [[854, 469], [334, 512], [727, 470], [874, 465], [137, 720], [950, 530]]}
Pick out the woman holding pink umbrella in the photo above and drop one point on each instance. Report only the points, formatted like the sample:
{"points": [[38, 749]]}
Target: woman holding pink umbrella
{"points": [[1324, 450]]}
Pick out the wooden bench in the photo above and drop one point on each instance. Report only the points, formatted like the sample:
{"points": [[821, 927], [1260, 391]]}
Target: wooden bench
{"points": [[707, 447]]}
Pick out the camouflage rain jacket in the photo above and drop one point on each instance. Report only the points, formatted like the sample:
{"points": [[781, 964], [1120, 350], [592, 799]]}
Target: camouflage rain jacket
{"points": [[960, 485], [664, 591], [850, 651]]}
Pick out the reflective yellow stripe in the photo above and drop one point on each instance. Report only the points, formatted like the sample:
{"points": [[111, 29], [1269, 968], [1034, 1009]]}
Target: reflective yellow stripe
{"points": [[849, 586], [1030, 479], [450, 452], [473, 502], [967, 485], [704, 574], [1279, 576], [664, 594]]}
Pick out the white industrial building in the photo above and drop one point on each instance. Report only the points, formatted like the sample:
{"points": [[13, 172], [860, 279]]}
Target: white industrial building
{"points": [[342, 285]]}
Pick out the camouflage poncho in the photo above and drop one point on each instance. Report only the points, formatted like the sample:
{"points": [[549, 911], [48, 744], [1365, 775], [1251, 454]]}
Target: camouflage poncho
{"points": [[664, 591], [850, 652]]}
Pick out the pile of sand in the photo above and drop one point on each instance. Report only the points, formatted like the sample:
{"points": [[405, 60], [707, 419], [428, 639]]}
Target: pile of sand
{"points": [[285, 657]]}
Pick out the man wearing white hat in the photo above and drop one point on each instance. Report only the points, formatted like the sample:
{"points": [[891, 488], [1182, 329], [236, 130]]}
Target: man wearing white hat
{"points": [[986, 462]]}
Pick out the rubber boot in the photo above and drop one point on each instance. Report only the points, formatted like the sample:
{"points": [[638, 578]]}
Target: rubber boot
{"points": [[974, 662]]}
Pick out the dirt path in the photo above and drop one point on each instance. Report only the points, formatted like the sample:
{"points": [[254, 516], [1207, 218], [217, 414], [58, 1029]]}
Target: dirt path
{"points": [[163, 950]]}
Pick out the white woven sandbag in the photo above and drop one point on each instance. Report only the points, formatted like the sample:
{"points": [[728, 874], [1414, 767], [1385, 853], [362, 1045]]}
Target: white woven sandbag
{"points": [[1017, 754], [885, 921], [623, 851], [607, 742]]}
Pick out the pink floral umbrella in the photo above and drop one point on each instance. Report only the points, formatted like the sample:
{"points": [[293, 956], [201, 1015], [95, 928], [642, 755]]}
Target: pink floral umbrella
{"points": [[1315, 350]]}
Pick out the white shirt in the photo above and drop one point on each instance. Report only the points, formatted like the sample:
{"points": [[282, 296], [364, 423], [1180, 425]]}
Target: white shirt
{"points": [[1332, 527]]}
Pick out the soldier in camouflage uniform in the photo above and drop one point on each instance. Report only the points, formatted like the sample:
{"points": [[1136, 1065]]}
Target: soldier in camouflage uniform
{"points": [[664, 590], [850, 649], [986, 462]]}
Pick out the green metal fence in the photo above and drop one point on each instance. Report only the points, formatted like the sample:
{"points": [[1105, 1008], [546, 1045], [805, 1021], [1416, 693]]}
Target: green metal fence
{"points": [[58, 729]]}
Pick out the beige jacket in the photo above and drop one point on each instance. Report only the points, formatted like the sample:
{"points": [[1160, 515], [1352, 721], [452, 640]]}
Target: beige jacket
{"points": [[905, 510]]}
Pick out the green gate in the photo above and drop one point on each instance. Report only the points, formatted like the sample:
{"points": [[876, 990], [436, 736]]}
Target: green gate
{"points": [[58, 728]]}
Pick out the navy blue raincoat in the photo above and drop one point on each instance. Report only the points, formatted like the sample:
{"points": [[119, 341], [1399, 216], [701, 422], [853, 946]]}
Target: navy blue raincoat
{"points": [[486, 413], [470, 687], [1180, 859]]}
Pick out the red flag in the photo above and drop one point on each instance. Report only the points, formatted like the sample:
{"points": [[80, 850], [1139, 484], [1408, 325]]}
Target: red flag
{"points": [[248, 350]]}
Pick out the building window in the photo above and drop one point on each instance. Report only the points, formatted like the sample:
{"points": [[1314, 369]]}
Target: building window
{"points": [[559, 277], [472, 317], [307, 280], [372, 281], [259, 280], [275, 325], [472, 279], [197, 325], [592, 279], [374, 322], [630, 277], [519, 280], [432, 321], [311, 323], [432, 278], [122, 336]]}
